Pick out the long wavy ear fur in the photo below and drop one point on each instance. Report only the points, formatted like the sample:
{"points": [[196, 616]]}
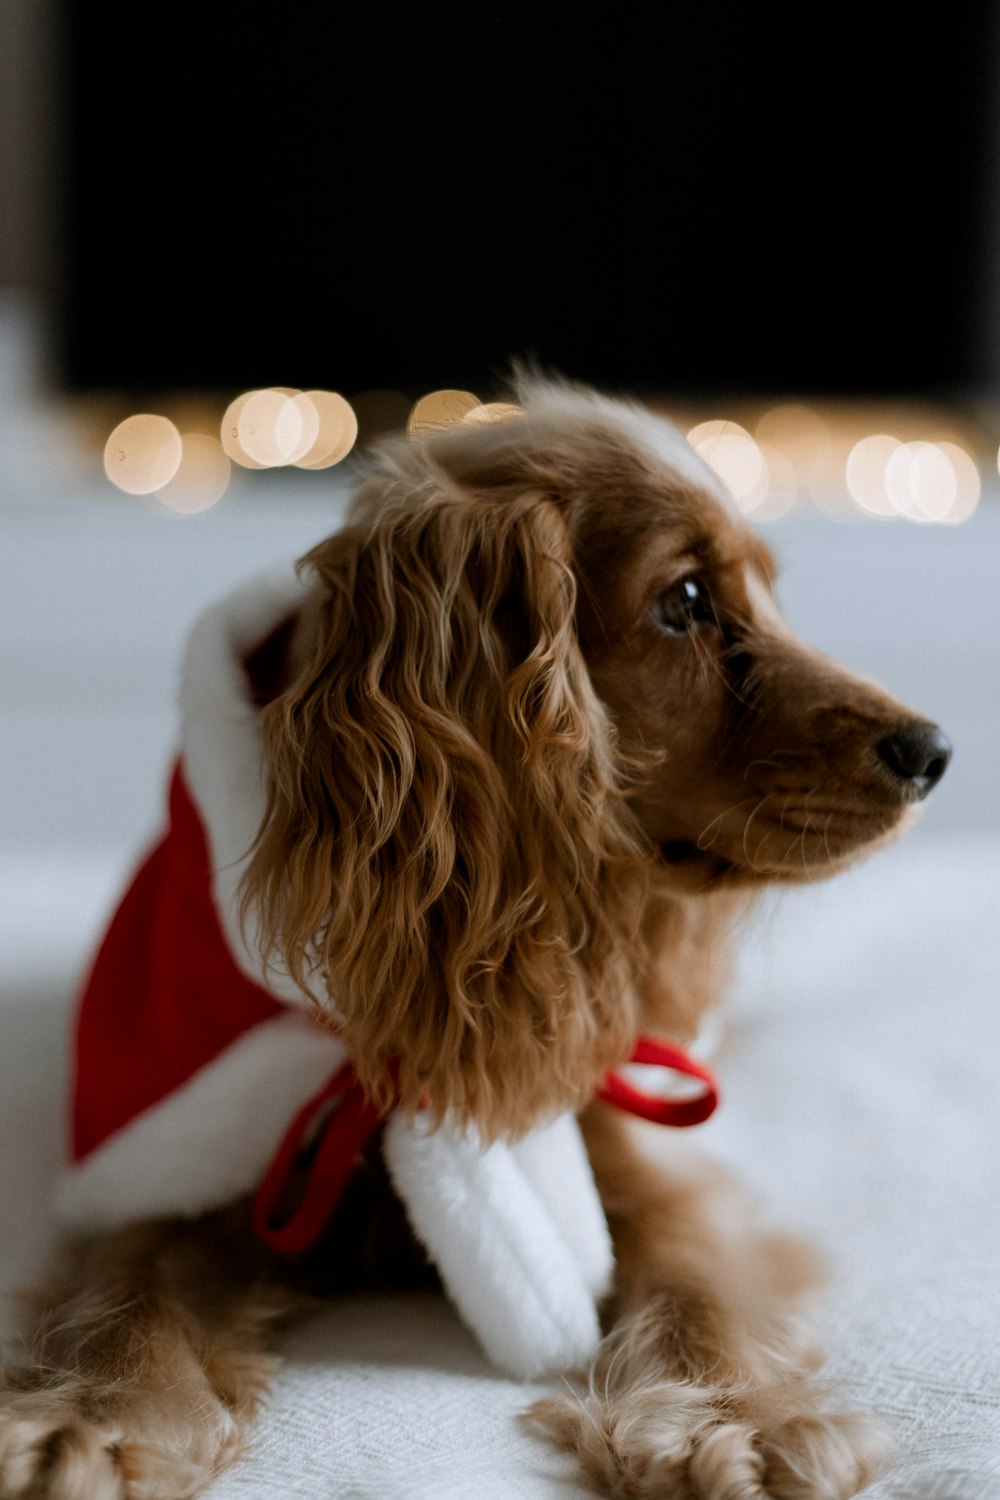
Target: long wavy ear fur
{"points": [[445, 839]]}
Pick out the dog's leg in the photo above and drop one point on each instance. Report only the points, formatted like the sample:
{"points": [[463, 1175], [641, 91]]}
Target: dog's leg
{"points": [[144, 1366], [702, 1390]]}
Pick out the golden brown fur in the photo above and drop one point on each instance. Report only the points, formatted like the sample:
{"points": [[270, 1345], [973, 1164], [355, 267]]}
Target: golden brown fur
{"points": [[445, 834], [546, 736]]}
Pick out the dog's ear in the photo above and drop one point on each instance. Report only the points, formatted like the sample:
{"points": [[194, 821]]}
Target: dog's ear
{"points": [[445, 838]]}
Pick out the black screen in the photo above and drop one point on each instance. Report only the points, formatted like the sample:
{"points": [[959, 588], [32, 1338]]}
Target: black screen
{"points": [[674, 200]]}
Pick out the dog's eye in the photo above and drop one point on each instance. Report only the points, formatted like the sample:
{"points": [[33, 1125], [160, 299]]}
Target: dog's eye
{"points": [[681, 606]]}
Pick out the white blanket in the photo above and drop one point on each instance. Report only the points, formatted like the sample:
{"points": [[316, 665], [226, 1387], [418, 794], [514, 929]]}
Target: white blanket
{"points": [[862, 1079]]}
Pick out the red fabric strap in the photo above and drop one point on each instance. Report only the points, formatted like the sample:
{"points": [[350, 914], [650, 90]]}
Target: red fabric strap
{"points": [[661, 1108], [352, 1121], [348, 1119]]}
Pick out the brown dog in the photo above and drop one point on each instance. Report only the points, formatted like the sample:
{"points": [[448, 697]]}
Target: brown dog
{"points": [[538, 737]]}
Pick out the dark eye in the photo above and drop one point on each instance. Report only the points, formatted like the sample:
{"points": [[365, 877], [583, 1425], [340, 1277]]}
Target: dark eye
{"points": [[681, 606]]}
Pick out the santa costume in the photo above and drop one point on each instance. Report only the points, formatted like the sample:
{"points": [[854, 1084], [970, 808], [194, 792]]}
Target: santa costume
{"points": [[197, 1083]]}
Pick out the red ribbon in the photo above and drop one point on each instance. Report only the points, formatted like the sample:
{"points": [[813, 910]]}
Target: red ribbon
{"points": [[344, 1118], [661, 1108]]}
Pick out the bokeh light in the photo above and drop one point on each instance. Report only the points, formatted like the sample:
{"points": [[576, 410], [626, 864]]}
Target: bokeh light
{"points": [[923, 469], [968, 485], [735, 457], [782, 487], [865, 473], [805, 440], [492, 411], [336, 432], [441, 409], [308, 419], [920, 481], [201, 479], [264, 429], [142, 454], [269, 427], [229, 433]]}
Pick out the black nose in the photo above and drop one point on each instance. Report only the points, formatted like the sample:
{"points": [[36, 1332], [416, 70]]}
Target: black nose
{"points": [[919, 753]]}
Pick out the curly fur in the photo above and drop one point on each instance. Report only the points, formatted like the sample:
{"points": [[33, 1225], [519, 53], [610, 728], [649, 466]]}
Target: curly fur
{"points": [[446, 836], [514, 815]]}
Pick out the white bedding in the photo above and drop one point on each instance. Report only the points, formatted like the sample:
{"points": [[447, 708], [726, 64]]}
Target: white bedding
{"points": [[862, 1096]]}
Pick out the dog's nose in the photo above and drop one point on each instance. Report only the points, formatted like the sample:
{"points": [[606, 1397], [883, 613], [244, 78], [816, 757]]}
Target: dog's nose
{"points": [[919, 753]]}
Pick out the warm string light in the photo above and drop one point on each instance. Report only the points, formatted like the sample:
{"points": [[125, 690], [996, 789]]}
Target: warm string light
{"points": [[792, 453], [147, 455], [733, 454], [143, 454], [441, 409], [865, 473], [491, 411], [260, 429], [281, 426], [782, 485], [201, 479], [916, 481], [229, 433], [451, 408], [336, 432], [795, 453]]}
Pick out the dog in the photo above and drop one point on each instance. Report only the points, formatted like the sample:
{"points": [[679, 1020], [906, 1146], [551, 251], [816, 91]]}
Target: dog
{"points": [[535, 736]]}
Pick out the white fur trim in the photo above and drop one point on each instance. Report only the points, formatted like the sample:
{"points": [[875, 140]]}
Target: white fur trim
{"points": [[210, 1141], [220, 739], [554, 1160], [507, 1268]]}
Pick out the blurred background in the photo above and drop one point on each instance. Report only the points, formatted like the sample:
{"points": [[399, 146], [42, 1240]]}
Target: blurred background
{"points": [[236, 242]]}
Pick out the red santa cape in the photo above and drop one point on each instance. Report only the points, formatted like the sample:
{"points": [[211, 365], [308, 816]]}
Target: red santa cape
{"points": [[190, 1070]]}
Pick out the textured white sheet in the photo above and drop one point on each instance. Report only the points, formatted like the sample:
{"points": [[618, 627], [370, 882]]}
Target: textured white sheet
{"points": [[862, 1078]]}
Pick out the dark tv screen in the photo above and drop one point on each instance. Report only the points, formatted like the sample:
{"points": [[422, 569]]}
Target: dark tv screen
{"points": [[674, 200]]}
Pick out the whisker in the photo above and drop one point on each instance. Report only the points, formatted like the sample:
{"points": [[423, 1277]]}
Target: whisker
{"points": [[717, 820], [769, 761], [826, 841], [806, 827], [746, 830], [802, 841]]}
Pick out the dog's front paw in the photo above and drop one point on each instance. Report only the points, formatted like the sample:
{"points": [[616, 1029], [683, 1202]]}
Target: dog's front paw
{"points": [[824, 1456], [677, 1440], [51, 1450]]}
